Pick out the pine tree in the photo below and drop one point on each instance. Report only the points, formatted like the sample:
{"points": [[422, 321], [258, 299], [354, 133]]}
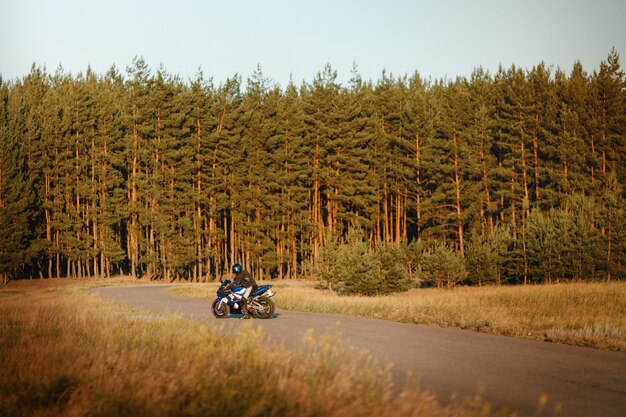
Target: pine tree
{"points": [[80, 240], [290, 160], [326, 265], [418, 131], [351, 165], [396, 165], [26, 129], [544, 133], [51, 205], [480, 137], [4, 140], [576, 95], [511, 147], [610, 109], [510, 259], [177, 177], [204, 123], [545, 234], [441, 263], [17, 198], [585, 240], [227, 153], [254, 178], [112, 204], [139, 124], [570, 150], [454, 167], [320, 100], [612, 224], [391, 269], [481, 260]]}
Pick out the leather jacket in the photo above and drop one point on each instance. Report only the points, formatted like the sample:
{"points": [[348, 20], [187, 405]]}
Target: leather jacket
{"points": [[244, 279]]}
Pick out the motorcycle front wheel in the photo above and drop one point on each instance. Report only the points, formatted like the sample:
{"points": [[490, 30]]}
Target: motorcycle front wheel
{"points": [[263, 307], [220, 310]]}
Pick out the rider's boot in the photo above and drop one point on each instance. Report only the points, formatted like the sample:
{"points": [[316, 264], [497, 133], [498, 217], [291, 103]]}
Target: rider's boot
{"points": [[244, 309]]}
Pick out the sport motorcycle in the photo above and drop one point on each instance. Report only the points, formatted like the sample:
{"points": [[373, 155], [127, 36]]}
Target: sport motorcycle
{"points": [[229, 301]]}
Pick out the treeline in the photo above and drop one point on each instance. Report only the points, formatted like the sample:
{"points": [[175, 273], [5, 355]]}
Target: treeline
{"points": [[147, 174]]}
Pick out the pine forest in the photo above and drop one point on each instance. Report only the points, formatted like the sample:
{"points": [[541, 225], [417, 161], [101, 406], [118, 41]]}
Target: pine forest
{"points": [[513, 177]]}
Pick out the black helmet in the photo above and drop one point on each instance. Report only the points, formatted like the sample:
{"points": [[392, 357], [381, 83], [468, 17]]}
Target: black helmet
{"points": [[237, 268]]}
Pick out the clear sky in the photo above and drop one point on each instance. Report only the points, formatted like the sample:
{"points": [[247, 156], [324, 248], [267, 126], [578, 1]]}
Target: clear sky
{"points": [[296, 38]]}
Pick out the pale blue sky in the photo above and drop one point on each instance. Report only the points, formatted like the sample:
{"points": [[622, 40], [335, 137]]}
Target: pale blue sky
{"points": [[436, 38]]}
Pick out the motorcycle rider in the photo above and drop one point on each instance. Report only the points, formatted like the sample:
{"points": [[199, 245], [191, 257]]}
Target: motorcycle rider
{"points": [[244, 279]]}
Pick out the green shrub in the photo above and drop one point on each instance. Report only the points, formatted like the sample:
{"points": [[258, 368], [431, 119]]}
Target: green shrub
{"points": [[356, 269], [481, 261], [353, 267], [326, 265], [392, 270], [443, 264]]}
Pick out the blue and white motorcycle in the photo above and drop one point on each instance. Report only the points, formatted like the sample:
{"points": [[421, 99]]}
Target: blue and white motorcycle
{"points": [[260, 303]]}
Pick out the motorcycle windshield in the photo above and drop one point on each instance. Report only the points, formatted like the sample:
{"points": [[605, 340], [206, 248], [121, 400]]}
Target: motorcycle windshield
{"points": [[238, 289]]}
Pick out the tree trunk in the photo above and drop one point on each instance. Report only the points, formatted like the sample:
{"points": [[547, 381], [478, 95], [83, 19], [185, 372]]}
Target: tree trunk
{"points": [[103, 206], [133, 232], [418, 208], [316, 214], [524, 249], [457, 182], [487, 201], [405, 235], [536, 159], [387, 233], [608, 247], [58, 255], [593, 154], [526, 205], [398, 221], [501, 199], [102, 266], [232, 232], [198, 226], [513, 214], [48, 225], [294, 260]]}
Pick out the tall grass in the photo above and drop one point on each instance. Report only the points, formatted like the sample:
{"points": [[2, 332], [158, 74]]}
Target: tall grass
{"points": [[64, 351], [585, 314]]}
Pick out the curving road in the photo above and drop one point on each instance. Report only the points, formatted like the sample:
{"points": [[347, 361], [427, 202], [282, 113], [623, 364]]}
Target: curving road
{"points": [[508, 372]]}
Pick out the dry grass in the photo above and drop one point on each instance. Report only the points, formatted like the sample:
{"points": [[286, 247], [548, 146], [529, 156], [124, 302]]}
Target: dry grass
{"points": [[64, 282], [64, 351], [585, 314]]}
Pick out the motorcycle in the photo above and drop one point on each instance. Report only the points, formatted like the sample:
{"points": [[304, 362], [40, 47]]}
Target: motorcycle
{"points": [[230, 301]]}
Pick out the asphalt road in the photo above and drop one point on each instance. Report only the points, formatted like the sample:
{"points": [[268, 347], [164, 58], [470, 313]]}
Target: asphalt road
{"points": [[450, 363]]}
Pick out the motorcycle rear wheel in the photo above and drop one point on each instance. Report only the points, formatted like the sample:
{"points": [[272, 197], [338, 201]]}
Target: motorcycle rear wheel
{"points": [[264, 308], [220, 310]]}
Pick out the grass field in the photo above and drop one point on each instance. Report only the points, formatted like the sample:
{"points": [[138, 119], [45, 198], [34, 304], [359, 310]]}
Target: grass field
{"points": [[65, 351], [585, 314]]}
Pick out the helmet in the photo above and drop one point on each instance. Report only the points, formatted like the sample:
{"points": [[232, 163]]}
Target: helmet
{"points": [[237, 268]]}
